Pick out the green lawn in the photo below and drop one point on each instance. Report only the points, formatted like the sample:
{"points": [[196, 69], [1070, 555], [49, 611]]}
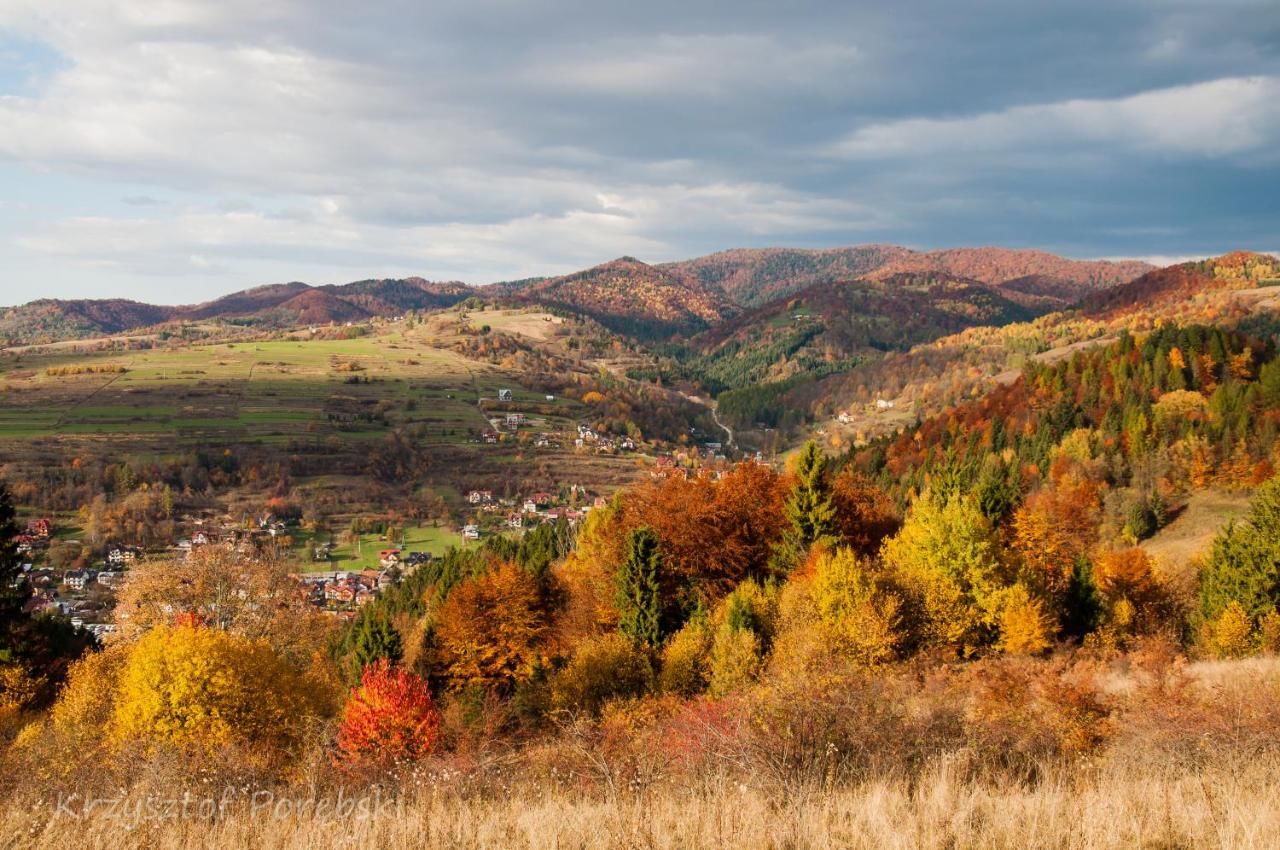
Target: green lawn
{"points": [[437, 541]]}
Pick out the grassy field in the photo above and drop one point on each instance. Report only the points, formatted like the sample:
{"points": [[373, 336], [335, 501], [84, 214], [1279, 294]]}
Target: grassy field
{"points": [[1134, 809], [259, 391], [436, 540], [1192, 530]]}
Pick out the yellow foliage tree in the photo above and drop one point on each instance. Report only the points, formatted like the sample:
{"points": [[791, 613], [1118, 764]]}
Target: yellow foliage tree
{"points": [[202, 688], [605, 668], [1025, 626], [945, 557], [861, 620], [684, 659], [1231, 634]]}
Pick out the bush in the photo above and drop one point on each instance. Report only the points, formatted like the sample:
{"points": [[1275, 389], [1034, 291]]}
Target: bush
{"points": [[202, 688], [684, 660], [1025, 626], [602, 669], [388, 718]]}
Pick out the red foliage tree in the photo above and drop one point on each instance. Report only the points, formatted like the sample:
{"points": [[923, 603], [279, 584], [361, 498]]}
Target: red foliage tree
{"points": [[388, 718]]}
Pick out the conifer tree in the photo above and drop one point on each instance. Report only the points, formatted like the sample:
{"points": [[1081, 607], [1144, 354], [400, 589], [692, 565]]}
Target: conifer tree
{"points": [[1244, 563], [639, 605], [13, 589], [809, 509], [376, 639]]}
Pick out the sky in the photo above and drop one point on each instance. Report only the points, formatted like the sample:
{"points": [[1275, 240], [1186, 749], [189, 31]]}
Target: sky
{"points": [[174, 150]]}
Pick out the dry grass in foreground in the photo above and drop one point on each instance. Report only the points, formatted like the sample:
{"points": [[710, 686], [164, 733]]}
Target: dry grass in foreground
{"points": [[1115, 808]]}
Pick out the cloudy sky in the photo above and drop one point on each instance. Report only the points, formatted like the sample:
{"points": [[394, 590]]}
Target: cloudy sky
{"points": [[173, 150]]}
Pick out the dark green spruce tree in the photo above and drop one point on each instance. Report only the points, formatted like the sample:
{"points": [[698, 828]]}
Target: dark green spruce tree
{"points": [[14, 622], [639, 600], [375, 639], [810, 511]]}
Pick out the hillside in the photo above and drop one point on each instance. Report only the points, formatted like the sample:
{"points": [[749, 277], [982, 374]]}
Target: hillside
{"points": [[751, 277], [58, 319], [631, 297], [1235, 271], [829, 326], [279, 305], [625, 295]]}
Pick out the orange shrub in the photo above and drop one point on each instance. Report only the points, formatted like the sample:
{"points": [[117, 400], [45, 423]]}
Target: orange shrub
{"points": [[388, 718]]}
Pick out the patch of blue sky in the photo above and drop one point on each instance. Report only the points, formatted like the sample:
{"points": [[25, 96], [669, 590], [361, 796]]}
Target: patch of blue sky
{"points": [[26, 65]]}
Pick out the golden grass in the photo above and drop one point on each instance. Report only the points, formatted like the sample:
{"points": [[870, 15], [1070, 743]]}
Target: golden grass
{"points": [[1114, 808]]}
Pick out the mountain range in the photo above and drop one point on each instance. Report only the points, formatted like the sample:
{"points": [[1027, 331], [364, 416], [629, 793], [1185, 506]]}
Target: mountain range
{"points": [[630, 296]]}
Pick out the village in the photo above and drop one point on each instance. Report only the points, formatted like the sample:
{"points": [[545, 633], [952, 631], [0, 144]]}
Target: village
{"points": [[85, 593]]}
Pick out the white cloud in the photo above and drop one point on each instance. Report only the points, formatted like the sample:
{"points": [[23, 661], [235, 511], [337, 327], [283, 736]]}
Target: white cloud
{"points": [[702, 65], [627, 219], [1214, 119]]}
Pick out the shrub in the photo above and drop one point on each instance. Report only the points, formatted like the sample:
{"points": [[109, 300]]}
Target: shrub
{"points": [[1025, 626], [601, 669], [684, 660], [388, 718], [1230, 635], [736, 656], [202, 688]]}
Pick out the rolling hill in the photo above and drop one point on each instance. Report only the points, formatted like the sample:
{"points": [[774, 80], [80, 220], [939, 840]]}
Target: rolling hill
{"points": [[630, 297], [275, 304], [751, 277], [626, 295], [831, 325]]}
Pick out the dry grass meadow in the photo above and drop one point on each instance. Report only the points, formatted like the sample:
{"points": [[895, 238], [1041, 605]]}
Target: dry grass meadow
{"points": [[1112, 809]]}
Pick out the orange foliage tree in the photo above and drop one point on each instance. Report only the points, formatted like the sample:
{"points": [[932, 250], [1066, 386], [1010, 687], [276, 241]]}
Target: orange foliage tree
{"points": [[1052, 528], [865, 515], [388, 718], [491, 629], [714, 534]]}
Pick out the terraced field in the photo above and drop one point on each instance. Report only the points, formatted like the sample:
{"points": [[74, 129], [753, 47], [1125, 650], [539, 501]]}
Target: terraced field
{"points": [[257, 393]]}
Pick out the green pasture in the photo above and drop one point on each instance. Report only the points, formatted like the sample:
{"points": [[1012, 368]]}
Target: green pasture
{"points": [[436, 540], [257, 391]]}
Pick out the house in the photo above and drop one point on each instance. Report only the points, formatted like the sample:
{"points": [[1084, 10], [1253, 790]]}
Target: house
{"points": [[504, 395], [110, 579], [364, 597], [199, 539], [470, 532], [77, 579], [551, 398], [490, 437], [389, 558], [40, 528], [480, 497], [543, 498], [515, 520], [25, 543], [120, 557], [340, 592], [515, 420], [530, 506]]}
